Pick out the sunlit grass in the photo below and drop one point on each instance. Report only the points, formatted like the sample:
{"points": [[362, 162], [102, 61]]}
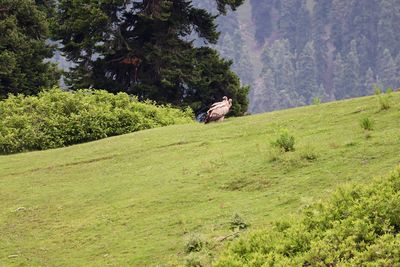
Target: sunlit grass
{"points": [[133, 200]]}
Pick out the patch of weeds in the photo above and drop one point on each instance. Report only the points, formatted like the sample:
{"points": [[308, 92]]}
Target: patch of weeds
{"points": [[384, 102], [309, 154], [334, 145], [350, 144], [285, 141], [237, 223], [316, 101], [288, 162], [367, 135], [197, 260], [194, 243], [377, 89], [367, 124], [246, 184], [274, 155]]}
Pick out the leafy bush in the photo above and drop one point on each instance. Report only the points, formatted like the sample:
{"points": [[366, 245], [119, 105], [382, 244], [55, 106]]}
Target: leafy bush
{"points": [[309, 154], [316, 101], [358, 226], [389, 90], [194, 243], [56, 118], [238, 223], [384, 102], [367, 124], [285, 141]]}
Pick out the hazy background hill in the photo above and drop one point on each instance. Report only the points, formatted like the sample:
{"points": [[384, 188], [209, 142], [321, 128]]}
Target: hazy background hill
{"points": [[291, 51]]}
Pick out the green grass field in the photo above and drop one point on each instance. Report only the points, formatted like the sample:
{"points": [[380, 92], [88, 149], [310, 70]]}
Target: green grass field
{"points": [[133, 200]]}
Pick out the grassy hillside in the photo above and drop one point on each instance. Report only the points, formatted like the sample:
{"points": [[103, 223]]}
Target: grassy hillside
{"points": [[133, 200]]}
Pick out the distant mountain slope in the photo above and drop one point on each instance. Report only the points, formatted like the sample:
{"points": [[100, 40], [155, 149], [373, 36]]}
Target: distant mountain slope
{"points": [[326, 49], [134, 200]]}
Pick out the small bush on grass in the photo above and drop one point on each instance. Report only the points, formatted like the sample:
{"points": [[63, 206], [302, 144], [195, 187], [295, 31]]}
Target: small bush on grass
{"points": [[316, 101], [308, 154], [194, 243], [285, 141], [237, 223], [367, 124], [56, 118], [384, 102]]}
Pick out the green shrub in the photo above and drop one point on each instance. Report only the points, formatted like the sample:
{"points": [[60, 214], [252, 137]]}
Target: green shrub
{"points": [[377, 89], [285, 141], [238, 223], [367, 124], [358, 226], [384, 102], [194, 243], [316, 101], [309, 154], [56, 118]]}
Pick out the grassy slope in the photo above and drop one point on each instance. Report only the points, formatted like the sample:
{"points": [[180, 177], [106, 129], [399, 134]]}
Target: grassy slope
{"points": [[132, 200]]}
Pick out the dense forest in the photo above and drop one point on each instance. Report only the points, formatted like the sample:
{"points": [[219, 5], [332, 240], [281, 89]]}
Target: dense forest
{"points": [[292, 51]]}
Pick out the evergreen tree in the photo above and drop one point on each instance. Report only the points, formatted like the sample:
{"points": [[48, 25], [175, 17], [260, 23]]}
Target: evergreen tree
{"points": [[368, 82], [306, 74], [388, 70], [262, 14], [322, 10], [352, 72], [281, 61], [388, 26], [143, 48], [339, 84], [23, 48], [397, 63]]}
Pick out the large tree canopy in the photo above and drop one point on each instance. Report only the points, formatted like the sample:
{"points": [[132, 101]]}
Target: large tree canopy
{"points": [[146, 48], [23, 48]]}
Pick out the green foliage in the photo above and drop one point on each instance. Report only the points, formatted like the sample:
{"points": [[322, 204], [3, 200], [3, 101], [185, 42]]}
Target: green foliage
{"points": [[308, 154], [23, 34], [367, 124], [146, 190], [195, 243], [238, 223], [316, 101], [377, 89], [285, 141], [148, 53], [384, 102], [358, 226], [197, 260], [56, 118]]}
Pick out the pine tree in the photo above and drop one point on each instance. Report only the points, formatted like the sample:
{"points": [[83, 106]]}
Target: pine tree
{"points": [[339, 84], [285, 75], [144, 48], [352, 72], [369, 81], [397, 63], [306, 74], [23, 48], [388, 70], [388, 26]]}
